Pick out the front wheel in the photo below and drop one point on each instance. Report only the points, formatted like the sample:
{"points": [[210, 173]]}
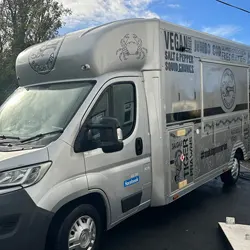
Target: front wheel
{"points": [[231, 177], [81, 230]]}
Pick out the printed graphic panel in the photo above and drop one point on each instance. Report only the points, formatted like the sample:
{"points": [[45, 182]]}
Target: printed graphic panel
{"points": [[181, 52], [181, 74], [181, 157], [225, 89]]}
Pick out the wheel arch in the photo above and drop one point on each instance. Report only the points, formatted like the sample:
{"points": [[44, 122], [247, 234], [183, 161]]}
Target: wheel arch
{"points": [[239, 154], [239, 150], [95, 197]]}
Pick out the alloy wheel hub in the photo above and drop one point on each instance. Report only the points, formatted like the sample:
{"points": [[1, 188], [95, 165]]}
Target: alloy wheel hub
{"points": [[82, 234], [84, 238]]}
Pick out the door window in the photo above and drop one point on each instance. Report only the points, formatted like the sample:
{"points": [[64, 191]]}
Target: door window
{"points": [[124, 107], [118, 101], [101, 109]]}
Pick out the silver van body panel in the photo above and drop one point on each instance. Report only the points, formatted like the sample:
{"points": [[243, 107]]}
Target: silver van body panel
{"points": [[20, 158], [113, 170], [105, 49], [207, 106], [154, 90], [66, 177]]}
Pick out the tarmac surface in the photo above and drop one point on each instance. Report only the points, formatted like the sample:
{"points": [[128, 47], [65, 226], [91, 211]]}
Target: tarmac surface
{"points": [[190, 223]]}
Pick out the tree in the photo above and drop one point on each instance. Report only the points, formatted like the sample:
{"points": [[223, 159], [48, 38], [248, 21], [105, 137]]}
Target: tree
{"points": [[22, 24]]}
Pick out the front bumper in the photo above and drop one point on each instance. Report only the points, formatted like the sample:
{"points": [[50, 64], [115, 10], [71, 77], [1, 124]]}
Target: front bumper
{"points": [[23, 225]]}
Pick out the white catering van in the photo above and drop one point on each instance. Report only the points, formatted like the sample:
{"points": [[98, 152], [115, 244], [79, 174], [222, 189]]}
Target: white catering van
{"points": [[114, 119]]}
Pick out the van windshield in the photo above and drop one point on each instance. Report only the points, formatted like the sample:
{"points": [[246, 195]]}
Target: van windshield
{"points": [[41, 109]]}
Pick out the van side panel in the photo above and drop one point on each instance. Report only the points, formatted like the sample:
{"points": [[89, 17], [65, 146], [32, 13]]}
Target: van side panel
{"points": [[206, 102], [180, 74], [225, 97], [156, 110]]}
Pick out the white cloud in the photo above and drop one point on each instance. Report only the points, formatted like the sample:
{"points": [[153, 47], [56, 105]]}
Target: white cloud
{"points": [[94, 12], [236, 40], [185, 23], [222, 30], [174, 6], [180, 20], [166, 18]]}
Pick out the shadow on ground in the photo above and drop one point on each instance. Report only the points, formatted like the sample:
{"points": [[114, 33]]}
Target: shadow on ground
{"points": [[191, 223]]}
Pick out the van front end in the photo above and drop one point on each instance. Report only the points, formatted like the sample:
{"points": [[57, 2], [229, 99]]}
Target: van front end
{"points": [[75, 146], [36, 163], [23, 224]]}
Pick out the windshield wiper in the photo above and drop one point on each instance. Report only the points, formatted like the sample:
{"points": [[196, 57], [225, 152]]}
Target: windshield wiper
{"points": [[4, 137], [39, 136]]}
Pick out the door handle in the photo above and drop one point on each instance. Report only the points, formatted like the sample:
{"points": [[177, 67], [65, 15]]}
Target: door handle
{"points": [[138, 146]]}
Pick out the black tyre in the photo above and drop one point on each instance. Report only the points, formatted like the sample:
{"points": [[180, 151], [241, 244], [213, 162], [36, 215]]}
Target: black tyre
{"points": [[80, 230], [231, 177]]}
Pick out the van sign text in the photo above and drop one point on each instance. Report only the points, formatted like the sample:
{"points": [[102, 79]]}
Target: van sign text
{"points": [[131, 181], [178, 53]]}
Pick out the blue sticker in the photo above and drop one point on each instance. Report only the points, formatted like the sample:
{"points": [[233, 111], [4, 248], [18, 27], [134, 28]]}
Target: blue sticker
{"points": [[131, 181]]}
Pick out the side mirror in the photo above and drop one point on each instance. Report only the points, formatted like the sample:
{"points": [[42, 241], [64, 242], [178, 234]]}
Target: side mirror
{"points": [[110, 134]]}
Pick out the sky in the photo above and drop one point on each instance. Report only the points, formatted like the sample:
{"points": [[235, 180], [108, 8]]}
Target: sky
{"points": [[204, 15]]}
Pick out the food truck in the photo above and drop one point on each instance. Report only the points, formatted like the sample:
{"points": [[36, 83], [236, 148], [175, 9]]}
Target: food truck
{"points": [[110, 120]]}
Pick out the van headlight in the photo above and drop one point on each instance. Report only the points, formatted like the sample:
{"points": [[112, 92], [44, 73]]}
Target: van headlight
{"points": [[25, 176]]}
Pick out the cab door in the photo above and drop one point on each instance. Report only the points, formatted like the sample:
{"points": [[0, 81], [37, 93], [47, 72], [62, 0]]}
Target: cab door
{"points": [[124, 176]]}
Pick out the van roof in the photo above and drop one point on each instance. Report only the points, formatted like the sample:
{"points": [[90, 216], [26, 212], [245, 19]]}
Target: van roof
{"points": [[94, 51]]}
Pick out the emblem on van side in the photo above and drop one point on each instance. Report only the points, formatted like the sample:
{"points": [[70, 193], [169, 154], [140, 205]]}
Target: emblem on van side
{"points": [[131, 181], [228, 89], [42, 59], [131, 45], [178, 163]]}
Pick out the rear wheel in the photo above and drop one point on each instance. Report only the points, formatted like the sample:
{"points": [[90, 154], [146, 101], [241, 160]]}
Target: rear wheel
{"points": [[231, 177], [80, 230]]}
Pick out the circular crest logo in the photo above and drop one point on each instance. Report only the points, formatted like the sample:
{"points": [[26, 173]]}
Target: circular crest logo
{"points": [[43, 57], [228, 90]]}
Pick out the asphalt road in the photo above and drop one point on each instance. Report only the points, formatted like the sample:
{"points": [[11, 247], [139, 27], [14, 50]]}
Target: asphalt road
{"points": [[190, 223]]}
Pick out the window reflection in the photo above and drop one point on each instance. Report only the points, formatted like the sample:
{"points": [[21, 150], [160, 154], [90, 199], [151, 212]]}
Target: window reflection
{"points": [[35, 110]]}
